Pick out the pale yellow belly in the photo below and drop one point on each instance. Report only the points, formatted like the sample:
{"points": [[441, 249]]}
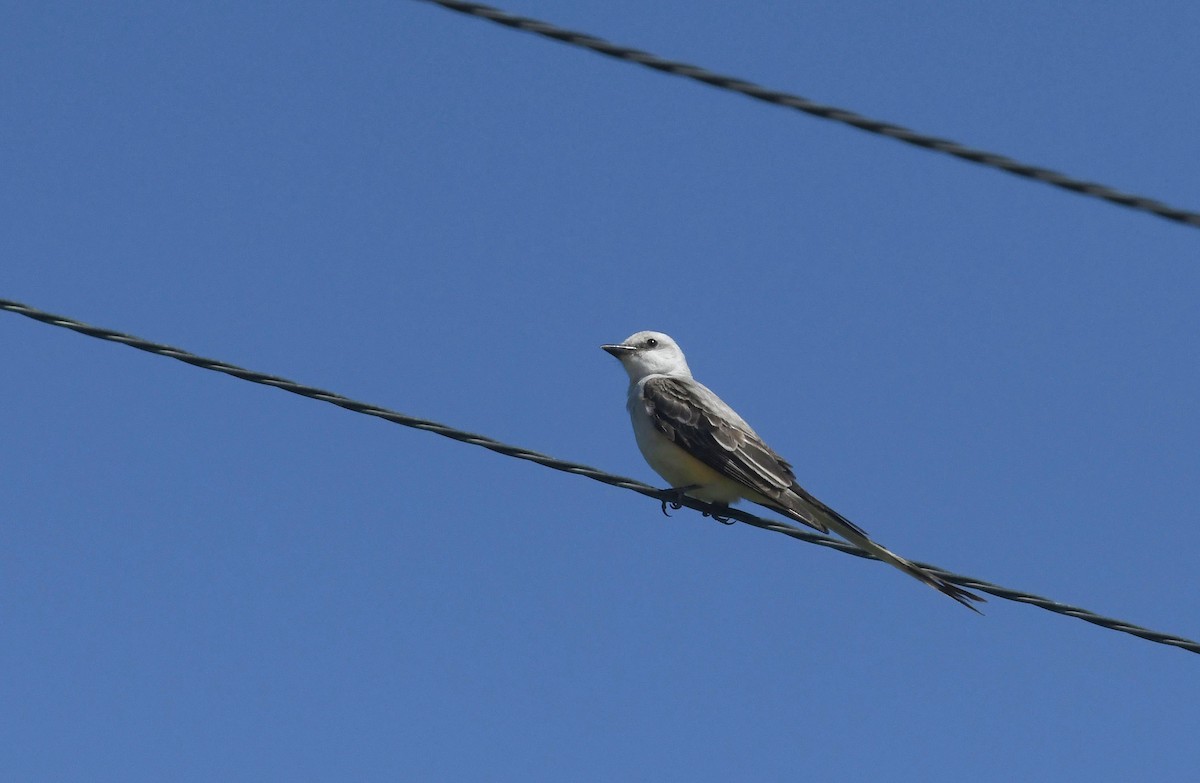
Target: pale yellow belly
{"points": [[681, 469]]}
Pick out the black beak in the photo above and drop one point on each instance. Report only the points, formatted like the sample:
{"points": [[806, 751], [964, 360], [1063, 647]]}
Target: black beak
{"points": [[619, 350]]}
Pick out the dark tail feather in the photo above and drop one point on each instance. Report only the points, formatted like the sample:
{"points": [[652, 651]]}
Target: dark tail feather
{"points": [[964, 597], [826, 516]]}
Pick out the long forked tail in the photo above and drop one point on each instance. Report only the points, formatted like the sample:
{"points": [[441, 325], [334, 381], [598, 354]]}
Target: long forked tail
{"points": [[810, 507], [964, 597]]}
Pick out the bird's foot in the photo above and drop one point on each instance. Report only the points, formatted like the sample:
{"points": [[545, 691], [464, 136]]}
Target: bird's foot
{"points": [[722, 519], [677, 493]]}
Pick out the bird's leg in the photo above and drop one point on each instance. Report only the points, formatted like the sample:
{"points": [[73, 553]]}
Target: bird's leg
{"points": [[678, 493]]}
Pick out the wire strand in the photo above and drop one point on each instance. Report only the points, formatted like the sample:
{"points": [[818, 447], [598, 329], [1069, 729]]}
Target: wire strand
{"points": [[844, 116], [580, 470]]}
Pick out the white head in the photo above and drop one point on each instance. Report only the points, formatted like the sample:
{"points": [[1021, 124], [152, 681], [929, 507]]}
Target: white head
{"points": [[650, 353]]}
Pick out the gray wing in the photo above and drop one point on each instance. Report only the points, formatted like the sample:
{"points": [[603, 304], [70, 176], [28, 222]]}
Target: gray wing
{"points": [[697, 421]]}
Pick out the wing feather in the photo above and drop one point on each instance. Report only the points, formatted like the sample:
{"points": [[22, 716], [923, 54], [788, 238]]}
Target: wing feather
{"points": [[696, 420]]}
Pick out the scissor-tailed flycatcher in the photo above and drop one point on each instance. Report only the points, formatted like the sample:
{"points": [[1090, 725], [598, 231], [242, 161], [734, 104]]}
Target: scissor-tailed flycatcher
{"points": [[703, 448]]}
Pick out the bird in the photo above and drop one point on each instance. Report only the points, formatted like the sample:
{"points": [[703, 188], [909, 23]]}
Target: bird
{"points": [[706, 451]]}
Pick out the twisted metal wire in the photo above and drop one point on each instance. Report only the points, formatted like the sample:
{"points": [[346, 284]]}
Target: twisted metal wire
{"points": [[844, 116], [662, 495]]}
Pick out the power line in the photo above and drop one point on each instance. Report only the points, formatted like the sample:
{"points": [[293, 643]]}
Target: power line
{"points": [[664, 496], [844, 116]]}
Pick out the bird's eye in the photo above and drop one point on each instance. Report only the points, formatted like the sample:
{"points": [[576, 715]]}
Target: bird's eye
{"points": [[652, 343]]}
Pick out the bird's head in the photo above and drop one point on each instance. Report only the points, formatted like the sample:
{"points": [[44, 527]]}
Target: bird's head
{"points": [[650, 353]]}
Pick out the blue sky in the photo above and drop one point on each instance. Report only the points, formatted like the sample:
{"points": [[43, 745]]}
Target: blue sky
{"points": [[203, 579]]}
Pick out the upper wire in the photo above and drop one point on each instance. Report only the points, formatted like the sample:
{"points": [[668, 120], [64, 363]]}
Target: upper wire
{"points": [[662, 495], [844, 116]]}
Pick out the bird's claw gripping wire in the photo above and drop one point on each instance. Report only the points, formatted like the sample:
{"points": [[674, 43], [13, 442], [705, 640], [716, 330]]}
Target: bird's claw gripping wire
{"points": [[677, 494], [723, 520]]}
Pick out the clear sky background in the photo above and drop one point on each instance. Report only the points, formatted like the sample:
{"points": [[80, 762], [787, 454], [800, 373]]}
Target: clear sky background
{"points": [[202, 579]]}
